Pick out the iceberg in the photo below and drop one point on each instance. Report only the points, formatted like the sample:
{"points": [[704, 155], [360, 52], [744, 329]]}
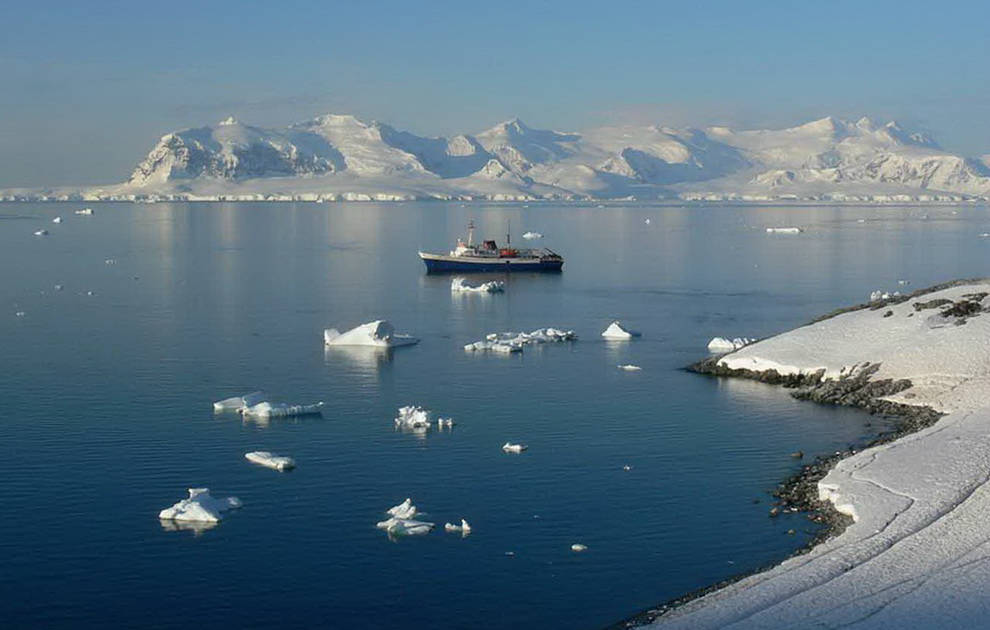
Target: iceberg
{"points": [[57, 220], [401, 522], [415, 418], [199, 507], [270, 460], [531, 236], [783, 230], [616, 330], [87, 212], [265, 410], [41, 232], [578, 547], [463, 528], [629, 367], [724, 344], [509, 447], [509, 342], [238, 403], [494, 286], [378, 333]]}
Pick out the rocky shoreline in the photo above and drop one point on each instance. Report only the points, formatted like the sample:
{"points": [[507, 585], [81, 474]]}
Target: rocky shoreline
{"points": [[799, 492]]}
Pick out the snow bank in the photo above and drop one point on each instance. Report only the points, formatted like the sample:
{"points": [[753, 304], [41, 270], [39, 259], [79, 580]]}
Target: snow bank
{"points": [[457, 285], [724, 344], [615, 330], [509, 342], [378, 333], [783, 230], [199, 507], [270, 460], [915, 555], [530, 236], [238, 403]]}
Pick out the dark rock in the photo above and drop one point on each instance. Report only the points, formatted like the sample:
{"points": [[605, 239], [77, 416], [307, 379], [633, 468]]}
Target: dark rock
{"points": [[888, 314]]}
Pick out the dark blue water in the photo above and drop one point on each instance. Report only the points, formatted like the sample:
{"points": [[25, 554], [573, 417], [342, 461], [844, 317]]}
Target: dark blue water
{"points": [[108, 419]]}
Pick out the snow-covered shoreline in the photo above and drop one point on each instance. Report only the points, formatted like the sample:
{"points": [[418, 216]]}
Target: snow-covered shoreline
{"points": [[916, 552]]}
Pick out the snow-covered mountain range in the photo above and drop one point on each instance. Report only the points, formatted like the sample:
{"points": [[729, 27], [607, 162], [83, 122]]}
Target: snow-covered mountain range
{"points": [[336, 157]]}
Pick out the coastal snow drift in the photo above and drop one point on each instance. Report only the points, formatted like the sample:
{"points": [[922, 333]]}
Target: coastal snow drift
{"points": [[270, 460], [200, 507], [724, 344], [458, 285], [379, 333], [916, 554], [615, 330]]}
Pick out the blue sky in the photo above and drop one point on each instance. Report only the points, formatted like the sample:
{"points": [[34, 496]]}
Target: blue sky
{"points": [[87, 88]]}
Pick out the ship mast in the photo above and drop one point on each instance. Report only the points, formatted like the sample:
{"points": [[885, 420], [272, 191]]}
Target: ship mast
{"points": [[508, 232], [470, 233]]}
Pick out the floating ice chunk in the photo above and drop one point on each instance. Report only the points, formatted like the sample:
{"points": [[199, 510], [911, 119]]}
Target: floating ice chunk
{"points": [[508, 447], [415, 418], [57, 220], [508, 342], [529, 236], [405, 527], [265, 410], [501, 348], [110, 261], [783, 230], [85, 212], [199, 507], [404, 510], [627, 467], [238, 403], [616, 330], [647, 221], [578, 547], [629, 367], [41, 232], [903, 282], [378, 333], [58, 287], [20, 314], [445, 422], [463, 528], [457, 285], [270, 460], [724, 344]]}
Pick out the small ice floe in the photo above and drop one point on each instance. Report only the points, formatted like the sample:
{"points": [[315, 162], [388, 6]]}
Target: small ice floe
{"points": [[86, 212], [270, 460], [20, 314], [531, 236], [627, 467], [629, 367], [238, 403], [783, 230], [509, 447], [724, 344], [41, 232], [57, 220], [445, 423], [413, 418], [90, 293], [457, 285], [860, 220], [199, 507], [903, 283], [265, 410], [378, 333], [578, 547], [985, 235], [110, 261], [509, 342], [647, 221], [616, 330], [401, 522], [463, 528], [58, 287]]}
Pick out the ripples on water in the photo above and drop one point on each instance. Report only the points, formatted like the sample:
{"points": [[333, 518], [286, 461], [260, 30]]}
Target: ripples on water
{"points": [[109, 417]]}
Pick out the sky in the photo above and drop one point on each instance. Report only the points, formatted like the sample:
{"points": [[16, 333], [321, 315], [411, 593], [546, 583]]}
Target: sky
{"points": [[87, 88]]}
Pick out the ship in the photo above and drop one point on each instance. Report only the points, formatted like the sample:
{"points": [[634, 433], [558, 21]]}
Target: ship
{"points": [[488, 257]]}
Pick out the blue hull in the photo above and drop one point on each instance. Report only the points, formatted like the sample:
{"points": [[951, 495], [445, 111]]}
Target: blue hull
{"points": [[444, 266]]}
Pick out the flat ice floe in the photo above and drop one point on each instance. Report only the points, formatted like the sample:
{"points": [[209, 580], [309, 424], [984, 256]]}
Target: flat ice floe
{"points": [[783, 230], [457, 285], [509, 342], [379, 333], [509, 447], [41, 232], [915, 555], [629, 367], [199, 507], [86, 212], [238, 403], [270, 460], [530, 236], [724, 344], [616, 330], [265, 410], [402, 523], [463, 528]]}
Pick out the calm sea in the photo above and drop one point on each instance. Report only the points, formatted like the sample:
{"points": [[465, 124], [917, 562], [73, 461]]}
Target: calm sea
{"points": [[107, 387]]}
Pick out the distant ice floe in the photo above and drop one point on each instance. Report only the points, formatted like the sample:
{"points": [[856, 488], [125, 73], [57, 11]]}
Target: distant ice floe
{"points": [[578, 547], [509, 447], [402, 523], [509, 342], [256, 405], [57, 220], [629, 367], [86, 212], [530, 236], [270, 460], [379, 333], [724, 344], [41, 232], [616, 330], [463, 528], [783, 230], [457, 285], [415, 418], [20, 314], [238, 403], [199, 507]]}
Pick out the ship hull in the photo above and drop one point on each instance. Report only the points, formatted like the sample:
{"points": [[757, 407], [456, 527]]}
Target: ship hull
{"points": [[436, 263]]}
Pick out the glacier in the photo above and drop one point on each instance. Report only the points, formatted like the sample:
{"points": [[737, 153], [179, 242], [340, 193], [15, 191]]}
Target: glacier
{"points": [[335, 157]]}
